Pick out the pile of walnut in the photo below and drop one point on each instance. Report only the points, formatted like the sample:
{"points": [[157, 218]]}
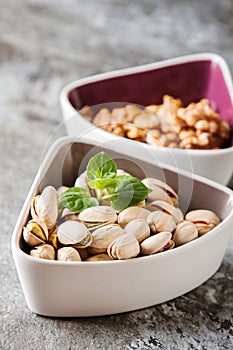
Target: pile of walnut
{"points": [[196, 126], [100, 233]]}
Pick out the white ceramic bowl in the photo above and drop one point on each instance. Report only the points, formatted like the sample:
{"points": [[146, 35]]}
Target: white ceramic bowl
{"points": [[190, 77], [63, 289]]}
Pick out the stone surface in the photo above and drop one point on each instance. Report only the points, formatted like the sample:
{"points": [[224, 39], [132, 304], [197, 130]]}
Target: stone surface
{"points": [[43, 45]]}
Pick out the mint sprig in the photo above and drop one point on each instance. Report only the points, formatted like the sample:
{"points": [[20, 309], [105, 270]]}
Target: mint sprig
{"points": [[122, 191]]}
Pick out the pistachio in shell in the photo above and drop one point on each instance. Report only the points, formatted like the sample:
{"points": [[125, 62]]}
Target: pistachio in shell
{"points": [[160, 221], [35, 232], [185, 232], [74, 233], [104, 236], [205, 220], [167, 208], [62, 189], [98, 214], [124, 247], [45, 206], [43, 251], [67, 214], [156, 243], [82, 181], [139, 228], [129, 214], [68, 254], [160, 191]]}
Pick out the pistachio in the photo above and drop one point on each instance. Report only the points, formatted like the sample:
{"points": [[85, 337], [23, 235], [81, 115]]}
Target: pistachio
{"points": [[155, 243], [43, 251], [141, 204], [170, 245], [124, 247], [205, 220], [53, 241], [68, 254], [132, 213], [67, 214], [160, 221], [45, 206], [82, 181], [74, 233], [121, 172], [160, 191], [176, 213], [139, 228], [62, 189], [185, 232], [35, 232], [33, 205], [94, 226], [103, 236], [99, 257], [98, 214]]}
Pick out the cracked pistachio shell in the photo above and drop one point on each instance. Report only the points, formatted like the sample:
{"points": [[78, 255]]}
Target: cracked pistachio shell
{"points": [[99, 257], [45, 206], [43, 251], [167, 208], [68, 254], [205, 220], [185, 232], [156, 243], [132, 213], [74, 233], [139, 228], [160, 221], [35, 232], [160, 191], [104, 236], [124, 247], [98, 214]]}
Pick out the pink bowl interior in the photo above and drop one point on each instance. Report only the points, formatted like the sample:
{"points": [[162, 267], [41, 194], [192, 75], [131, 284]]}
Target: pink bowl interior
{"points": [[189, 81]]}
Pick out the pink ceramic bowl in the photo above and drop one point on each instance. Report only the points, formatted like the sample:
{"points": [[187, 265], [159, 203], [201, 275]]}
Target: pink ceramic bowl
{"points": [[56, 288], [190, 78]]}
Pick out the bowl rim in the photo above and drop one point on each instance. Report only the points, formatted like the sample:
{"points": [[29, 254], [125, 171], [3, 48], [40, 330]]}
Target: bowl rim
{"points": [[53, 151], [215, 58]]}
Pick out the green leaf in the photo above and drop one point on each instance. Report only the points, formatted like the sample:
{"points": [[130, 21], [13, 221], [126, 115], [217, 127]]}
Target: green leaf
{"points": [[101, 166], [76, 199], [128, 192], [106, 183]]}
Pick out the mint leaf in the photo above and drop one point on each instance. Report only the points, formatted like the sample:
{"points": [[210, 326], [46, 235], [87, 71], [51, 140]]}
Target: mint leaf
{"points": [[101, 166], [105, 183], [128, 192], [76, 199]]}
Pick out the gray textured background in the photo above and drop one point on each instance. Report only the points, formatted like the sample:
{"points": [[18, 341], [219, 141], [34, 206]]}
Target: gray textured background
{"points": [[43, 45]]}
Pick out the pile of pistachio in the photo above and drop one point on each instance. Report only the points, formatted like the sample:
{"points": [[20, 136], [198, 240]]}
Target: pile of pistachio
{"points": [[109, 214]]}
